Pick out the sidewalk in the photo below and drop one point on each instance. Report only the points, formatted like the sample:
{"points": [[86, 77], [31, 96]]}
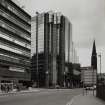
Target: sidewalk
{"points": [[20, 92], [88, 99]]}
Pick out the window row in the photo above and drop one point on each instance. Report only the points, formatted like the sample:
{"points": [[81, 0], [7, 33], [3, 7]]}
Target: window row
{"points": [[4, 25], [15, 27], [14, 60], [9, 38], [12, 49], [11, 18], [17, 12], [18, 69], [14, 57]]}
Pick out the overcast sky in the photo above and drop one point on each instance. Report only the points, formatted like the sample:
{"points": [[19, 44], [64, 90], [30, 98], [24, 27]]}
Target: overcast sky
{"points": [[88, 21]]}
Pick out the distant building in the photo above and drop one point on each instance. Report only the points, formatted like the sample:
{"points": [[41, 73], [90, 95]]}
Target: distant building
{"points": [[84, 69], [88, 76], [15, 42], [51, 42]]}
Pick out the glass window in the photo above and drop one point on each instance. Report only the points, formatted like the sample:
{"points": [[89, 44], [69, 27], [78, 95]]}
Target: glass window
{"points": [[14, 20], [5, 25], [18, 12], [15, 50], [19, 69], [9, 38]]}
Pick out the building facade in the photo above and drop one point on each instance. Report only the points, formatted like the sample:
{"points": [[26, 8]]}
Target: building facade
{"points": [[51, 39], [15, 43]]}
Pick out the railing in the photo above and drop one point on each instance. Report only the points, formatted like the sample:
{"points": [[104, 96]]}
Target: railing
{"points": [[101, 90]]}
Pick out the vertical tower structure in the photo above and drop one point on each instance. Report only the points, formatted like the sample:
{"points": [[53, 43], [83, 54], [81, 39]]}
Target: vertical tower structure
{"points": [[53, 44]]}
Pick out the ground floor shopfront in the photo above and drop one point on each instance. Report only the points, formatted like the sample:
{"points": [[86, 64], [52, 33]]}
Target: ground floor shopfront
{"points": [[9, 84], [12, 79]]}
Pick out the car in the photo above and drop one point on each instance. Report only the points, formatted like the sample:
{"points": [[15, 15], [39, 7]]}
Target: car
{"points": [[94, 87], [91, 88], [57, 86], [87, 88]]}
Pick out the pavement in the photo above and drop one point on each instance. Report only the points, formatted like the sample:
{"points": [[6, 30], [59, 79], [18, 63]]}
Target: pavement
{"points": [[20, 92], [86, 99]]}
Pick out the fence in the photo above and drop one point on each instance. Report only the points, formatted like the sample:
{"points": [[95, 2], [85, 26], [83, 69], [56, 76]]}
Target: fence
{"points": [[101, 90]]}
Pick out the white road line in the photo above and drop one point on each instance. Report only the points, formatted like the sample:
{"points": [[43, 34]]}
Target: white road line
{"points": [[72, 100]]}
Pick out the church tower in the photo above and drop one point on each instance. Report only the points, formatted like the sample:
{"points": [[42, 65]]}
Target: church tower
{"points": [[94, 57]]}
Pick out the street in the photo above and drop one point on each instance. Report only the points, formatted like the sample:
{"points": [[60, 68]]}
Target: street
{"points": [[44, 97]]}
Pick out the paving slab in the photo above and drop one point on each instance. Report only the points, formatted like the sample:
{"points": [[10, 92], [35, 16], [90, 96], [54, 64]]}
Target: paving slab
{"points": [[88, 99]]}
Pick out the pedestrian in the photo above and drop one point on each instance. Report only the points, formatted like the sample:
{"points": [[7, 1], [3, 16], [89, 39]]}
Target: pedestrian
{"points": [[5, 88], [86, 90], [8, 89], [18, 88], [2, 88]]}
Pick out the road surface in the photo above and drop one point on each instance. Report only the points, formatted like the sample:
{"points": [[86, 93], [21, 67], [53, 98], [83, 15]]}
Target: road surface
{"points": [[45, 97]]}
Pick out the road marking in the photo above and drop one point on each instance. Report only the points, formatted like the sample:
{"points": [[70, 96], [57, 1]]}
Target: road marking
{"points": [[72, 100]]}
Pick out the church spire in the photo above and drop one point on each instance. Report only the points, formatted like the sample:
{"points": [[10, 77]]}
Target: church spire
{"points": [[94, 57], [94, 48]]}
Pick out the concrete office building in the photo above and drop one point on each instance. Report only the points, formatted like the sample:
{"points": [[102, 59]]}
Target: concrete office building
{"points": [[15, 43], [51, 38]]}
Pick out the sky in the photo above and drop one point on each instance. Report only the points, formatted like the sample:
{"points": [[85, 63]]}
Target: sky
{"points": [[88, 22]]}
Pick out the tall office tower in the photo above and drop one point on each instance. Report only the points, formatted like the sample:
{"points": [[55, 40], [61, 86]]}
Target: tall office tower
{"points": [[50, 48], [15, 43]]}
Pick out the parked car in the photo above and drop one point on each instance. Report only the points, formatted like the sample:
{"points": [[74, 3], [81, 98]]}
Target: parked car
{"points": [[57, 86], [91, 87]]}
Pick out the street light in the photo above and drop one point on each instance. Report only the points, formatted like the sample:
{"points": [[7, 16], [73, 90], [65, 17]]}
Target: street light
{"points": [[47, 79], [64, 79], [100, 63], [98, 79]]}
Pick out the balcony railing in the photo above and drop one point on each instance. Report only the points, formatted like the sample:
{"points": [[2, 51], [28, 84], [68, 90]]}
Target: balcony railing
{"points": [[101, 90]]}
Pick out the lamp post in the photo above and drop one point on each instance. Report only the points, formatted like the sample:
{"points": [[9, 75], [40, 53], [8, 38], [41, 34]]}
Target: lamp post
{"points": [[100, 64], [47, 79], [64, 79], [98, 79], [37, 48]]}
